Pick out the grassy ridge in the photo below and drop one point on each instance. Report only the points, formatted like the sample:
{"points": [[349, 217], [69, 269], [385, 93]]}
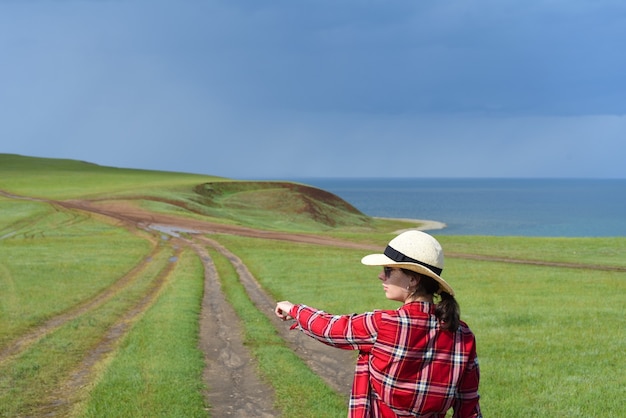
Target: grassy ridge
{"points": [[263, 205], [67, 179], [278, 205]]}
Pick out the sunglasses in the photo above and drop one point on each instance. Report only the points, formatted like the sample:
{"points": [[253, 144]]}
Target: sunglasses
{"points": [[387, 271]]}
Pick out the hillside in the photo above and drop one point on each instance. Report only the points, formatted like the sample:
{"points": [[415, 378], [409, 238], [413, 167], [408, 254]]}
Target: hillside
{"points": [[272, 205]]}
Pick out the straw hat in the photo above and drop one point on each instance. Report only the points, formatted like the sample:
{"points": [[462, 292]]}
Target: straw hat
{"points": [[416, 251]]}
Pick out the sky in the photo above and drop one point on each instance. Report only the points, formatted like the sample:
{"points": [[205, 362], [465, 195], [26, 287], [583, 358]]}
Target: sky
{"points": [[297, 89]]}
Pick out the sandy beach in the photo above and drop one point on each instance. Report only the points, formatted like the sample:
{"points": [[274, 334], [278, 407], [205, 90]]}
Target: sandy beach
{"points": [[422, 224]]}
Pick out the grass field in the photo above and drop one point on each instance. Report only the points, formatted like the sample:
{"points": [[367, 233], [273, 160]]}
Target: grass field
{"points": [[157, 370], [100, 319], [550, 339]]}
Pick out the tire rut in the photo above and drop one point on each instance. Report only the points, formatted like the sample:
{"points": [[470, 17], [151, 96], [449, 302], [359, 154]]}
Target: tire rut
{"points": [[234, 388], [335, 367], [66, 395], [18, 345]]}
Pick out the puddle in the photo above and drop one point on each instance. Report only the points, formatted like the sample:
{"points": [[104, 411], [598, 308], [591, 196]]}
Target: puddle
{"points": [[170, 230], [10, 234]]}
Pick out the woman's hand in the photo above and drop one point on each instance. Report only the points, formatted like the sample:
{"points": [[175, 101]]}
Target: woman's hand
{"points": [[282, 310]]}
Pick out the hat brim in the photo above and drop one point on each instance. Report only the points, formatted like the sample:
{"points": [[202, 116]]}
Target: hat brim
{"points": [[383, 260]]}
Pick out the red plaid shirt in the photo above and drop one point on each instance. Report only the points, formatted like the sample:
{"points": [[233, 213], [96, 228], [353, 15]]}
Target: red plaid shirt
{"points": [[407, 365]]}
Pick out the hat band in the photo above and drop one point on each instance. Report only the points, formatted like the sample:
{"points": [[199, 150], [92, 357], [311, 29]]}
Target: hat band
{"points": [[396, 255]]}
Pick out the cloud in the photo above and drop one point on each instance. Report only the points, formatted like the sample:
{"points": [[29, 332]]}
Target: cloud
{"points": [[315, 88]]}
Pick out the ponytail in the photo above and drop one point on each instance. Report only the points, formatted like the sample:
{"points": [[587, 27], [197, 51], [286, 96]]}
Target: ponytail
{"points": [[448, 312]]}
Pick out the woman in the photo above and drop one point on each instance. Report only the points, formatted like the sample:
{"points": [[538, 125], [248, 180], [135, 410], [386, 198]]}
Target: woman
{"points": [[419, 360]]}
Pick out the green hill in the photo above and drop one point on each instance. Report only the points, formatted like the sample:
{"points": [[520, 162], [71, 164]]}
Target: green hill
{"points": [[262, 204]]}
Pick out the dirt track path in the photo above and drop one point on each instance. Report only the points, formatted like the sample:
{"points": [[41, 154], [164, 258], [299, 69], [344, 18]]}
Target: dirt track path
{"points": [[62, 398], [235, 389], [143, 218], [334, 366], [26, 340]]}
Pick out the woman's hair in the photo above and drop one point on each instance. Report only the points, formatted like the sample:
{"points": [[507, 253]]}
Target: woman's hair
{"points": [[447, 311]]}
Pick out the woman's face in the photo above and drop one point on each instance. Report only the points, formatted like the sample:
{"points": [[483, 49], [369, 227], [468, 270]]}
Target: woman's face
{"points": [[395, 283]]}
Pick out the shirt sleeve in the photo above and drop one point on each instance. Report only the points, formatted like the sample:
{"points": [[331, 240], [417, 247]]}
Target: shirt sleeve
{"points": [[349, 332], [466, 404]]}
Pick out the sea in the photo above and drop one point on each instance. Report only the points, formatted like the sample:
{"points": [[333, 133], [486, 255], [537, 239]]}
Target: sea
{"points": [[496, 207]]}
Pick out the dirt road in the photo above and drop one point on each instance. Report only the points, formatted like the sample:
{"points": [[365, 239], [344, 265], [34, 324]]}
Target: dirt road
{"points": [[230, 369]]}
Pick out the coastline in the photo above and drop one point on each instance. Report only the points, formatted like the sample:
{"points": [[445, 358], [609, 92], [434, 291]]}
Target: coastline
{"points": [[423, 224]]}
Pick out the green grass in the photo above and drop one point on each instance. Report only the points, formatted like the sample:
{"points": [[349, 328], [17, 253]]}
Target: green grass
{"points": [[328, 278], [55, 260], [286, 206], [594, 251], [550, 340], [67, 179], [299, 391], [157, 371], [264, 205], [26, 380]]}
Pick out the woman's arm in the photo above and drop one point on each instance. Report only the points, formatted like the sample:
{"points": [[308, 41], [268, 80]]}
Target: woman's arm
{"points": [[350, 332]]}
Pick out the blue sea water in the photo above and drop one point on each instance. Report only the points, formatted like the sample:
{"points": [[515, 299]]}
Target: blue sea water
{"points": [[502, 207]]}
